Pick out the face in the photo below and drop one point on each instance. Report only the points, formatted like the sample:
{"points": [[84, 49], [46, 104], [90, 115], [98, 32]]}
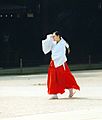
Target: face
{"points": [[55, 37]]}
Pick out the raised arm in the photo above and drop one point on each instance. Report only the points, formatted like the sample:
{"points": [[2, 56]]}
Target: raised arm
{"points": [[47, 44]]}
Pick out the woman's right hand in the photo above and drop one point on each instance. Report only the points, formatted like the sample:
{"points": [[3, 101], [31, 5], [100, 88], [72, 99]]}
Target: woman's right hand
{"points": [[49, 36]]}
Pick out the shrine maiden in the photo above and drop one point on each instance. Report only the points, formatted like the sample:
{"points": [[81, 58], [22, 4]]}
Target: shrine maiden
{"points": [[59, 74]]}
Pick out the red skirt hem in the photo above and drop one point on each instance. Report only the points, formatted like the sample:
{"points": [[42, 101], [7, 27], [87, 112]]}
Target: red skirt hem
{"points": [[60, 78]]}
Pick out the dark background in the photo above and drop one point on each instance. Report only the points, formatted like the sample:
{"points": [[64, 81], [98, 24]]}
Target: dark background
{"points": [[24, 23]]}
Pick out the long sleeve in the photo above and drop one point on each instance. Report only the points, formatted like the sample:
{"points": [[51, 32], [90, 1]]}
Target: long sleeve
{"points": [[47, 44]]}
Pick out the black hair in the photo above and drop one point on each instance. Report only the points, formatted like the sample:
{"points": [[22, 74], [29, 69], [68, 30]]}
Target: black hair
{"points": [[57, 33]]}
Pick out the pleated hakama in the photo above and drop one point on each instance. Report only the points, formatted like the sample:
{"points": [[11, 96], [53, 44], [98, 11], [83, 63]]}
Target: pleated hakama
{"points": [[60, 78]]}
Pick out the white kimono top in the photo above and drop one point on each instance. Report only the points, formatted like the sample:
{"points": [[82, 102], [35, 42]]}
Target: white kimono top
{"points": [[58, 50]]}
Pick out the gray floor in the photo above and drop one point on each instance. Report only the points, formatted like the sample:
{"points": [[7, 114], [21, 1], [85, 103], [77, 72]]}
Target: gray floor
{"points": [[25, 98]]}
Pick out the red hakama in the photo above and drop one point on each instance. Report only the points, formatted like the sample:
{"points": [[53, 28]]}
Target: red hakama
{"points": [[60, 78]]}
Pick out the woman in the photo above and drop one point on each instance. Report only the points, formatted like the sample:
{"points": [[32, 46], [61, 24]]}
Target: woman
{"points": [[59, 75]]}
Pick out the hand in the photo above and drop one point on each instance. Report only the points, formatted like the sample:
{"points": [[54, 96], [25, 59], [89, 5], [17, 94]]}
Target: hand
{"points": [[49, 36], [69, 51]]}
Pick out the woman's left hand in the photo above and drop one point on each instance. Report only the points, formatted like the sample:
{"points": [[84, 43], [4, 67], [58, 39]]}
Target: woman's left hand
{"points": [[69, 51]]}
